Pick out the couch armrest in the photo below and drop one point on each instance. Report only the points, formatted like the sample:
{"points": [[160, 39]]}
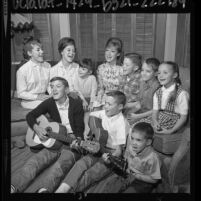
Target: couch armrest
{"points": [[179, 169]]}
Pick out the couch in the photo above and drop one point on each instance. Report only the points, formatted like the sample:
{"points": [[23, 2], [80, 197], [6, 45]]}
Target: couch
{"points": [[175, 167], [174, 152], [18, 114]]}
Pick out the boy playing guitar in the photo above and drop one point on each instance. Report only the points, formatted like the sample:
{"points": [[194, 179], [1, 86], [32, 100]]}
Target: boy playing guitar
{"points": [[62, 109]]}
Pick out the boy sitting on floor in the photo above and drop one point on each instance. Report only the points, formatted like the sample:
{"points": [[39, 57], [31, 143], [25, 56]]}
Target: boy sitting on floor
{"points": [[143, 171], [90, 167]]}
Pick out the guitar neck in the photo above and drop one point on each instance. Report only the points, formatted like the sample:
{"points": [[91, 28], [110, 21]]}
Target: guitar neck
{"points": [[63, 138]]}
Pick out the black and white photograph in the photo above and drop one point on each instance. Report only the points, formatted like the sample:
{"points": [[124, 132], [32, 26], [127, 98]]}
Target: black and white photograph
{"points": [[99, 101]]}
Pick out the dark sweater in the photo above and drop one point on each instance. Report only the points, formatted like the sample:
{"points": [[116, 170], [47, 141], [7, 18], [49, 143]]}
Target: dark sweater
{"points": [[75, 114]]}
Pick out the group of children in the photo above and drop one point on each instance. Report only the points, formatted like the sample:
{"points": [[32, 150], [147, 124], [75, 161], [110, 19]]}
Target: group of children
{"points": [[133, 98]]}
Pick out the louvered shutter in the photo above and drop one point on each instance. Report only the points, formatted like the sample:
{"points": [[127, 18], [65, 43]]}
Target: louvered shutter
{"points": [[123, 31], [91, 31], [42, 32], [86, 35], [144, 34], [104, 32]]}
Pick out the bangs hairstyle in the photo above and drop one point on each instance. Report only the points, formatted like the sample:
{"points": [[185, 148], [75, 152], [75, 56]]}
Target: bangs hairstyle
{"points": [[28, 46], [64, 81], [145, 128], [118, 96], [116, 42], [64, 42], [86, 63], [175, 69], [153, 62], [135, 58]]}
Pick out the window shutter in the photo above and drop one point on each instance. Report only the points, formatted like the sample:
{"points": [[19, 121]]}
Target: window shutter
{"points": [[42, 32], [91, 32], [145, 34], [86, 36], [104, 32], [123, 31]]}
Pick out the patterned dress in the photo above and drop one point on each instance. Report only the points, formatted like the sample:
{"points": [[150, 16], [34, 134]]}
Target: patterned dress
{"points": [[108, 79], [131, 85]]}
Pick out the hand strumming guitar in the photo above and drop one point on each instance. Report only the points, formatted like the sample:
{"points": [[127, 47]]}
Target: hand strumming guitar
{"points": [[105, 157], [41, 132]]}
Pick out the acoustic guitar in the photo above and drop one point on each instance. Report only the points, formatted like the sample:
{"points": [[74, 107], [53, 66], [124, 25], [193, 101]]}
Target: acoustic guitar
{"points": [[57, 136]]}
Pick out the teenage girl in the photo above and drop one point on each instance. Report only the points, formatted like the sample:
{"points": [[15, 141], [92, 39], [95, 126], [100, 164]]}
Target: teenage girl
{"points": [[108, 73], [66, 67]]}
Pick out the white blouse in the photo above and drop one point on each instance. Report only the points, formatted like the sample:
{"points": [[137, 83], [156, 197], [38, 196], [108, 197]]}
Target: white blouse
{"points": [[87, 87], [69, 73], [32, 79], [181, 103]]}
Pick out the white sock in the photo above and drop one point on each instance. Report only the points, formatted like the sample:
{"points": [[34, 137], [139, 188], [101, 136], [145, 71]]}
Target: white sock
{"points": [[12, 189], [41, 190]]}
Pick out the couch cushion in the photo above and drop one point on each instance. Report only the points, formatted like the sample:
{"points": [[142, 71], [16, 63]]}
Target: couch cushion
{"points": [[18, 113], [167, 144]]}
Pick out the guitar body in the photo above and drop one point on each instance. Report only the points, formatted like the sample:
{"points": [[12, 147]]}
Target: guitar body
{"points": [[97, 130], [34, 142], [98, 137], [57, 135]]}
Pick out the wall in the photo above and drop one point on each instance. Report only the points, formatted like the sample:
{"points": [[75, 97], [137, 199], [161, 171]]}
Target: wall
{"points": [[171, 34]]}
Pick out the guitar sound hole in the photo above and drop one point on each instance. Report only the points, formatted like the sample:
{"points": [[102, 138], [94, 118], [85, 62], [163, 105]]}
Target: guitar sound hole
{"points": [[48, 129]]}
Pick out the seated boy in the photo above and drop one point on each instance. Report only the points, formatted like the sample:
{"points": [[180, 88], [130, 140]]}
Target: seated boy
{"points": [[114, 122], [143, 170], [64, 110], [132, 65], [149, 84]]}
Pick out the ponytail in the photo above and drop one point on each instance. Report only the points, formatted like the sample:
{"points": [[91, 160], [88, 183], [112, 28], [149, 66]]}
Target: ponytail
{"points": [[175, 68]]}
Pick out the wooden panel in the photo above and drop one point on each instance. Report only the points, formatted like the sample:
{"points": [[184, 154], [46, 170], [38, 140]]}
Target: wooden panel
{"points": [[95, 36], [187, 58], [91, 32], [133, 33], [160, 29], [104, 22], [41, 31], [123, 30], [86, 35], [182, 54], [54, 35], [73, 32], [144, 34], [114, 29], [77, 36]]}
